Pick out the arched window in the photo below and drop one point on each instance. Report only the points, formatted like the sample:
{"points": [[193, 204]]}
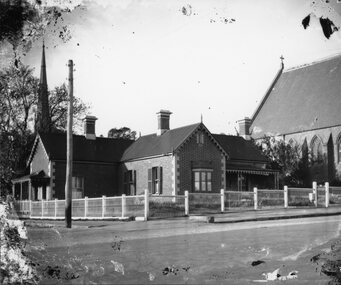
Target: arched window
{"points": [[316, 150], [338, 143]]}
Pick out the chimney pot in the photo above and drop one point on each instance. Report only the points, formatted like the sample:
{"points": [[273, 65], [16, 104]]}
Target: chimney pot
{"points": [[163, 121], [89, 127], [244, 128]]}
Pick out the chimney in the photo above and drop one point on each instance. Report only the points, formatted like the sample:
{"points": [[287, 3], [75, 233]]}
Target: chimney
{"points": [[163, 121], [244, 128], [89, 127]]}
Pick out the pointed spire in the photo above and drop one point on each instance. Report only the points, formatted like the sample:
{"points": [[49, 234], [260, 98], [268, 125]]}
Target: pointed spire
{"points": [[43, 120], [43, 77], [201, 118]]}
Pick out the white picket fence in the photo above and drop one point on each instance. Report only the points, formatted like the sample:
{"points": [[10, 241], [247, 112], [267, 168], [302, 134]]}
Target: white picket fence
{"points": [[147, 205]]}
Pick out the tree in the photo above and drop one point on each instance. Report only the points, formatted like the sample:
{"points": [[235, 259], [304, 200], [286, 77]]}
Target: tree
{"points": [[58, 102], [18, 105], [124, 133], [18, 97], [286, 157]]}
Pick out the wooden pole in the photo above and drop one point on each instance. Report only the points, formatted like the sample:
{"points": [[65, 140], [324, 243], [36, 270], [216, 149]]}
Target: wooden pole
{"points": [[68, 182]]}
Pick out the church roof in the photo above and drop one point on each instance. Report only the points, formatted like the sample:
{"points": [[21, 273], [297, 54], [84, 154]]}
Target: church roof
{"points": [[107, 150], [304, 98]]}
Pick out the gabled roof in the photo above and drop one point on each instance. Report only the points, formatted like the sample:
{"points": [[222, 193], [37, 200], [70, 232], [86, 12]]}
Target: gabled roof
{"points": [[240, 149], [304, 98], [106, 150], [153, 145]]}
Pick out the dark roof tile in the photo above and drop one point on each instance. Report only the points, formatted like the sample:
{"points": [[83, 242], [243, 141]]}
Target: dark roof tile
{"points": [[239, 149], [151, 145], [98, 150]]}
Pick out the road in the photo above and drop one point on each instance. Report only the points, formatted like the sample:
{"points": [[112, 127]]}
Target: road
{"points": [[180, 251]]}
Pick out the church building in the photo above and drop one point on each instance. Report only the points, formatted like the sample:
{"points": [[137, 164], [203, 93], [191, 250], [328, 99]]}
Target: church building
{"points": [[303, 105]]}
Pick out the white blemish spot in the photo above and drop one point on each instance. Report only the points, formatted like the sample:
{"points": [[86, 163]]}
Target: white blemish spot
{"points": [[118, 266]]}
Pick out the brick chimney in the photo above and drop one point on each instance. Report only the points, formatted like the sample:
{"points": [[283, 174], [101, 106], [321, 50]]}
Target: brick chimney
{"points": [[89, 127], [244, 128], [163, 121]]}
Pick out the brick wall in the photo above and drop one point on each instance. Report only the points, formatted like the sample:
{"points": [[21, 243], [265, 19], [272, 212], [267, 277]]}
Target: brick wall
{"points": [[141, 167], [99, 179], [208, 153]]}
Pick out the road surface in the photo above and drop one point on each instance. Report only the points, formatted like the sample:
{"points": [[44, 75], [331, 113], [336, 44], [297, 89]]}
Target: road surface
{"points": [[180, 251]]}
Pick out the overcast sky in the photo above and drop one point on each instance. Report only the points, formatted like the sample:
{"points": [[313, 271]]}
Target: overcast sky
{"points": [[212, 57]]}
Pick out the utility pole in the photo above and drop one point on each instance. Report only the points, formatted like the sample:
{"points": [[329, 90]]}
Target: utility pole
{"points": [[69, 154]]}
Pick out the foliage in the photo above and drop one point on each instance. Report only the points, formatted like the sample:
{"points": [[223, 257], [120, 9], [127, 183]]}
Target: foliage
{"points": [[124, 133], [18, 105], [286, 157], [18, 97], [58, 102], [22, 22], [15, 267]]}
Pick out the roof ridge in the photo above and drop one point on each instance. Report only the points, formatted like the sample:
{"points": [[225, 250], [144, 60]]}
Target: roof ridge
{"points": [[320, 60], [195, 124], [226, 135]]}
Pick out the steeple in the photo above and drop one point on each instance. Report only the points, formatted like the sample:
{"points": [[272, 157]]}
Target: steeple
{"points": [[43, 121]]}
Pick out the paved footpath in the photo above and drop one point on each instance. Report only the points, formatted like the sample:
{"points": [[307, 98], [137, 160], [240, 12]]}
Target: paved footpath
{"points": [[266, 214]]}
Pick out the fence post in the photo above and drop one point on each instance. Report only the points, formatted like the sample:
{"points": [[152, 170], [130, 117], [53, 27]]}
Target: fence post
{"points": [[326, 185], [85, 207], [186, 203], [146, 204], [42, 208], [285, 196], [255, 198], [123, 205], [30, 208], [315, 193], [103, 206], [222, 200], [55, 208]]}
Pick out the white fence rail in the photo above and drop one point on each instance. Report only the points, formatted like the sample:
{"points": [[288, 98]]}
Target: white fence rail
{"points": [[118, 207], [150, 206]]}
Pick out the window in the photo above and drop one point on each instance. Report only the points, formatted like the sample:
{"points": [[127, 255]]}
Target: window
{"points": [[77, 187], [200, 138], [339, 150], [155, 180], [316, 150], [202, 180], [130, 182]]}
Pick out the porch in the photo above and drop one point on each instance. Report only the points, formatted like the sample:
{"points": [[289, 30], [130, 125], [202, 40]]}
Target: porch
{"points": [[35, 186], [245, 178]]}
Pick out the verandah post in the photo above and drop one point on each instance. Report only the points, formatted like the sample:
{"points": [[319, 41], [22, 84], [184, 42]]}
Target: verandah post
{"points": [[315, 193], [255, 198], [123, 205], [285, 196], [326, 185], [103, 206], [146, 204], [186, 204], [222, 200]]}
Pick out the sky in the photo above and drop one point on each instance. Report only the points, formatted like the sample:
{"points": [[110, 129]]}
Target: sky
{"points": [[212, 59]]}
